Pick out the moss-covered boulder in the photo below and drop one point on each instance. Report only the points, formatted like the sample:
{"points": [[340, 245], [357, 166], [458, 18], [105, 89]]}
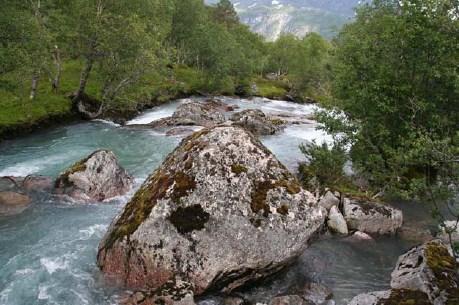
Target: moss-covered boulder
{"points": [[219, 212], [429, 268], [425, 275], [257, 122], [95, 178]]}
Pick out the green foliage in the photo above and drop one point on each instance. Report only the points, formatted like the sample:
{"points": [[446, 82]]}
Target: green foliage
{"points": [[324, 166], [396, 85]]}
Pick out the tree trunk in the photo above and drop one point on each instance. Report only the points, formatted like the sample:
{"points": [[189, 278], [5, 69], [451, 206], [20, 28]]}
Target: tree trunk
{"points": [[84, 76], [34, 87], [57, 62]]}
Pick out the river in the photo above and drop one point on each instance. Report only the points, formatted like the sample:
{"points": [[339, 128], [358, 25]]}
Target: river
{"points": [[47, 253]]}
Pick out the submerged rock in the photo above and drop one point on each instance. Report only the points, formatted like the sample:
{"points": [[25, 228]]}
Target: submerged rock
{"points": [[336, 222], [391, 297], [425, 275], [257, 122], [12, 203], [96, 178], [372, 218], [316, 294], [219, 212], [289, 300]]}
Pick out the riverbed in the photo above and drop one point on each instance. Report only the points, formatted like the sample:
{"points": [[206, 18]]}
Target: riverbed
{"points": [[47, 253]]}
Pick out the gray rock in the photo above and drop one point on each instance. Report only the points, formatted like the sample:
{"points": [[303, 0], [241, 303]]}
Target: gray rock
{"points": [[289, 300], [360, 236], [257, 122], [336, 222], [12, 203], [233, 301], [425, 275], [200, 113], [452, 227], [220, 211], [316, 293], [329, 200], [207, 114], [372, 218], [96, 178], [428, 268], [171, 293]]}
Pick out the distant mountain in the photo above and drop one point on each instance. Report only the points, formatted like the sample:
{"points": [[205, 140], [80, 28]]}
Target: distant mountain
{"points": [[274, 17]]}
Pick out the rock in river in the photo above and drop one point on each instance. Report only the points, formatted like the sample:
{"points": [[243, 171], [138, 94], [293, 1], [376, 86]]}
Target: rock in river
{"points": [[257, 122], [219, 212], [425, 275], [372, 218], [12, 203], [190, 114], [96, 178]]}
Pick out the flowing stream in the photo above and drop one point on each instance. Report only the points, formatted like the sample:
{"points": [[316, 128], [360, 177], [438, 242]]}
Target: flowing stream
{"points": [[47, 253]]}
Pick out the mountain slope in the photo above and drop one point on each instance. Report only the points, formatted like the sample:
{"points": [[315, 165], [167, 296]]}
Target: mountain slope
{"points": [[271, 18]]}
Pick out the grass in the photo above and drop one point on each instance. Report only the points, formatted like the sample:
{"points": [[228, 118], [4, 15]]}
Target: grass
{"points": [[271, 88], [18, 111]]}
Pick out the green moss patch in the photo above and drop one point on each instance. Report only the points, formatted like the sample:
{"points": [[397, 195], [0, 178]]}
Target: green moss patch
{"points": [[238, 169], [444, 267]]}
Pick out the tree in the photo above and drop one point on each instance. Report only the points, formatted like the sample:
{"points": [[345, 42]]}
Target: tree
{"points": [[224, 13], [396, 82]]}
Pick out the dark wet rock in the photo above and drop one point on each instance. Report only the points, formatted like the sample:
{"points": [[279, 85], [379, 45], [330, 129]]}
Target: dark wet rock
{"points": [[96, 178], [171, 293], [372, 218], [9, 183], [316, 293], [233, 301], [37, 184], [220, 211], [219, 105], [12, 203], [289, 300], [336, 222], [328, 200], [427, 274]]}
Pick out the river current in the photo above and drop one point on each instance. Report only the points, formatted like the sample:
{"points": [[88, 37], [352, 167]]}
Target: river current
{"points": [[47, 253]]}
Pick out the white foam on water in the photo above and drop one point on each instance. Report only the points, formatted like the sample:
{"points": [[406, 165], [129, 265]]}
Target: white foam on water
{"points": [[24, 271], [107, 122], [308, 133], [53, 265], [33, 166], [97, 230], [43, 292]]}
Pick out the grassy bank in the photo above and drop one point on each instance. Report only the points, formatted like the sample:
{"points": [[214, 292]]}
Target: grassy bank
{"points": [[19, 114]]}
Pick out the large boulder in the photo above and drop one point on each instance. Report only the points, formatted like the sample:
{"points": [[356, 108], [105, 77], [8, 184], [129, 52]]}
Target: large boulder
{"points": [[219, 212], [329, 200], [12, 203], [257, 122], [427, 274], [372, 218], [95, 178], [429, 268], [192, 114]]}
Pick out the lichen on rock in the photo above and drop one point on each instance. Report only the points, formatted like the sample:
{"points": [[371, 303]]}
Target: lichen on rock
{"points": [[219, 212]]}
